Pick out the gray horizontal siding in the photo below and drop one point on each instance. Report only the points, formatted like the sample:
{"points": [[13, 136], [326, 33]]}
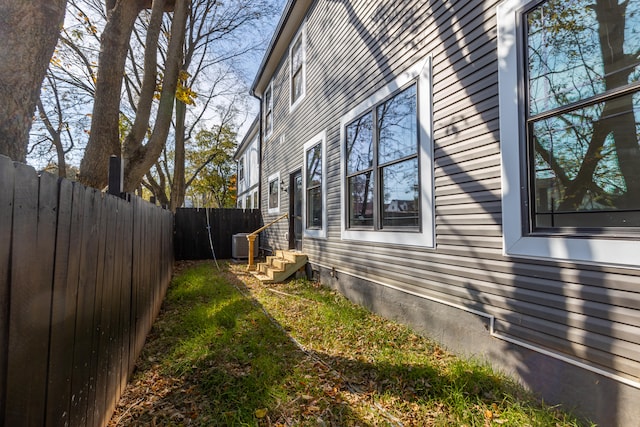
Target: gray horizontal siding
{"points": [[354, 48]]}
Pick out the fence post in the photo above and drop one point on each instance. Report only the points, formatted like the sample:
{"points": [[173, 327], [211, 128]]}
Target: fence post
{"points": [[116, 176]]}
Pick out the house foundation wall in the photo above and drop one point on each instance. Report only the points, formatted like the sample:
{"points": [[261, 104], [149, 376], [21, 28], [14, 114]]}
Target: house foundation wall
{"points": [[586, 394]]}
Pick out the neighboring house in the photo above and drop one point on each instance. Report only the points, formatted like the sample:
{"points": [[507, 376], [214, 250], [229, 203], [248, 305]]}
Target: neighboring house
{"points": [[509, 134], [247, 157]]}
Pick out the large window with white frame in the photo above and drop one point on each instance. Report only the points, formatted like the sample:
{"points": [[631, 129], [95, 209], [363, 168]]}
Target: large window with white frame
{"points": [[273, 194], [387, 163], [297, 67], [570, 129], [315, 186], [268, 110]]}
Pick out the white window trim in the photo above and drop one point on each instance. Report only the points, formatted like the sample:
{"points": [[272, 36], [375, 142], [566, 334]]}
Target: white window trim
{"points": [[302, 33], [320, 233], [269, 132], [617, 252], [276, 177], [421, 71]]}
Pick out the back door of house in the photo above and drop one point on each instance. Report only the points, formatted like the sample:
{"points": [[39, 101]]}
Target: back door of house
{"points": [[295, 211]]}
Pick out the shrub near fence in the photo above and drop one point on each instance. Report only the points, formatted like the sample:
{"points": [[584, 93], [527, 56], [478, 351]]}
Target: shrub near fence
{"points": [[82, 276]]}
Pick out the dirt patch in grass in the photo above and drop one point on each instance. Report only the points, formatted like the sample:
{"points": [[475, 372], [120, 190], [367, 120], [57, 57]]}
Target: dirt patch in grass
{"points": [[229, 351]]}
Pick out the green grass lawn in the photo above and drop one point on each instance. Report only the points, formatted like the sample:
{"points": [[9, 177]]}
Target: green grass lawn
{"points": [[227, 351]]}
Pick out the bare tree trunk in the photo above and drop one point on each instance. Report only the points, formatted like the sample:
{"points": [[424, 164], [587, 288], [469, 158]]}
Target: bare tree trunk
{"points": [[104, 139], [29, 32], [157, 188], [139, 158], [55, 134], [148, 87], [178, 186]]}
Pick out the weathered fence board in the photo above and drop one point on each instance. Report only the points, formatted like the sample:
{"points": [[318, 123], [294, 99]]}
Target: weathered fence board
{"points": [[191, 240], [82, 276], [28, 319], [6, 217], [63, 307]]}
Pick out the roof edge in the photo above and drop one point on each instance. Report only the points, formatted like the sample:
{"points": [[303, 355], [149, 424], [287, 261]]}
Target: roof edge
{"points": [[292, 16]]}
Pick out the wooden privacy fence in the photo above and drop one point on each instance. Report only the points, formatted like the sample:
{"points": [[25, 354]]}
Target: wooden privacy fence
{"points": [[192, 230], [82, 276]]}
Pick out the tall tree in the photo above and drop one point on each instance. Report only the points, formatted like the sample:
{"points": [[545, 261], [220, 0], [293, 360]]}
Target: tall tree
{"points": [[209, 85], [29, 31], [104, 138], [139, 157], [212, 168]]}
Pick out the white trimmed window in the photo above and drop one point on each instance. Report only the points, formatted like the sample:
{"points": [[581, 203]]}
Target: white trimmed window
{"points": [[569, 130], [241, 169], [297, 68], [387, 163], [255, 199], [268, 111], [273, 192], [315, 187]]}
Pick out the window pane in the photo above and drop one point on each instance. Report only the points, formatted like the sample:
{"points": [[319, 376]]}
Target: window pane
{"points": [[397, 127], [361, 200], [314, 208], [267, 108], [567, 61], [314, 166], [273, 194], [360, 144], [296, 56], [267, 122], [296, 86], [400, 186], [296, 70], [586, 166]]}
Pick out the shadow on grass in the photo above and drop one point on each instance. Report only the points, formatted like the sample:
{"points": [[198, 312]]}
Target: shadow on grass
{"points": [[216, 358]]}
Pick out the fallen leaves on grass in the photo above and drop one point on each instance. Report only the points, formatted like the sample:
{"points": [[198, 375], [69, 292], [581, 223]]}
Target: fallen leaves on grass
{"points": [[328, 363]]}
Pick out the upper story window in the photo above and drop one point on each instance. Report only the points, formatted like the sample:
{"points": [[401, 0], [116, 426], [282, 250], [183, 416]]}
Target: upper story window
{"points": [[574, 149], [241, 169], [387, 163], [297, 67], [273, 201], [268, 111], [315, 186]]}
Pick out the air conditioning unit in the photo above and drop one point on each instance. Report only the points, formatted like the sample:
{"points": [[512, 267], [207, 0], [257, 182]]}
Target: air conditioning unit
{"points": [[240, 246]]}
